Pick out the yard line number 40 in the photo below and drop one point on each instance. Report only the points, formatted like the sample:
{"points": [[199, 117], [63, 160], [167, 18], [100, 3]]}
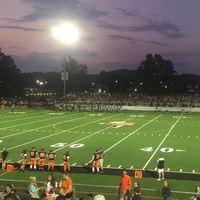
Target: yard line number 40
{"points": [[147, 149], [165, 149]]}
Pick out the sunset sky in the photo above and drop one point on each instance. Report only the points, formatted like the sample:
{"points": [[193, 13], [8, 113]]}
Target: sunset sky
{"points": [[113, 34]]}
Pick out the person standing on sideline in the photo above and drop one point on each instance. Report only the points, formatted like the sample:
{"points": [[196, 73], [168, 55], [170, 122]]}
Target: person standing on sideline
{"points": [[95, 161], [23, 157], [42, 155], [51, 163], [196, 195], [3, 103], [101, 159], [160, 166], [66, 166], [4, 155], [33, 155], [136, 191], [124, 187], [66, 189], [166, 191], [13, 107]]}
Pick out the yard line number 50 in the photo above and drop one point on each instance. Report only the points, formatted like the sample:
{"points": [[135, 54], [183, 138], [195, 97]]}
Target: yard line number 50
{"points": [[78, 145]]}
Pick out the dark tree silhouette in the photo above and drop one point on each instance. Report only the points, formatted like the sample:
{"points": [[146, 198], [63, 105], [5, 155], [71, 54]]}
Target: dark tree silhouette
{"points": [[11, 83], [78, 80], [156, 75]]}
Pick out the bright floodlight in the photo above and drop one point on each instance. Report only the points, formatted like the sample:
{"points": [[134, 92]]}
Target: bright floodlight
{"points": [[66, 33]]}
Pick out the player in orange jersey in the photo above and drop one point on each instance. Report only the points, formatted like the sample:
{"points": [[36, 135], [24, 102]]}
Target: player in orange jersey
{"points": [[33, 154], [66, 166], [42, 155], [95, 161], [51, 163]]}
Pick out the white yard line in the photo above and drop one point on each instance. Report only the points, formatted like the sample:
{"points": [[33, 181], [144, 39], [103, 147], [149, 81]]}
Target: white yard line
{"points": [[162, 142], [31, 129], [17, 119], [130, 134], [26, 131], [53, 135], [88, 135]]}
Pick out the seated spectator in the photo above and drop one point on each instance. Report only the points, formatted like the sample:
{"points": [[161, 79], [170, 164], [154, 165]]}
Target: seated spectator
{"points": [[33, 188], [51, 186], [9, 189], [12, 196], [66, 189], [86, 198], [99, 197], [196, 196], [136, 191]]}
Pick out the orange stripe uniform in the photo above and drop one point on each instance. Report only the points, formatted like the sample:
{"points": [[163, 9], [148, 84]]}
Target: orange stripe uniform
{"points": [[51, 163], [95, 161], [33, 155], [42, 155], [66, 166]]}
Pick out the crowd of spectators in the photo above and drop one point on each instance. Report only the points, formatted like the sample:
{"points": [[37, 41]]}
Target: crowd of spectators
{"points": [[107, 101], [136, 99], [50, 191]]}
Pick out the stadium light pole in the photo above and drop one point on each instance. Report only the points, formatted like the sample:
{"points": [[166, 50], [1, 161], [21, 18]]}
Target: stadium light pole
{"points": [[66, 33]]}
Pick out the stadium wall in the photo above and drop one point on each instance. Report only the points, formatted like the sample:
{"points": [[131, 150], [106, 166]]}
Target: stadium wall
{"points": [[163, 109], [118, 171]]}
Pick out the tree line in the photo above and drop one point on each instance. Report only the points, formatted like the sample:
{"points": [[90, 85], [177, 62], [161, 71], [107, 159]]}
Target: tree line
{"points": [[155, 75]]}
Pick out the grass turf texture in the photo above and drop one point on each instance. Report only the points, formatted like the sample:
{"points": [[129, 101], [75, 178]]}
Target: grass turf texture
{"points": [[135, 144]]}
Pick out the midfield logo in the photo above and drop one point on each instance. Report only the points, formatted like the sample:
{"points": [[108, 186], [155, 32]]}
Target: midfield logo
{"points": [[119, 124]]}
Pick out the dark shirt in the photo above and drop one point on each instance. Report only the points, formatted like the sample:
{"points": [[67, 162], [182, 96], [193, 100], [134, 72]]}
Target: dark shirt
{"points": [[33, 153], [4, 154], [166, 192], [137, 193], [161, 162]]}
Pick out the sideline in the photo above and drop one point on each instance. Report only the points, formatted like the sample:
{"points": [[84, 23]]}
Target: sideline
{"points": [[3, 173]]}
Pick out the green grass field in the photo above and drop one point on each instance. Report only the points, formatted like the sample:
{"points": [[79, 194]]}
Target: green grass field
{"points": [[133, 140]]}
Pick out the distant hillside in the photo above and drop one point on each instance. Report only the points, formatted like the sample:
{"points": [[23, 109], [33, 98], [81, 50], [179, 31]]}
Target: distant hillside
{"points": [[124, 73]]}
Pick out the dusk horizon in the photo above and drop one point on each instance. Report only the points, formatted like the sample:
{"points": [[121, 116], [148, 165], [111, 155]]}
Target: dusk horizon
{"points": [[112, 35]]}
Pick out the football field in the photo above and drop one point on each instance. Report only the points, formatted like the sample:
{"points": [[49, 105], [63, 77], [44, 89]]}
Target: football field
{"points": [[132, 140]]}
